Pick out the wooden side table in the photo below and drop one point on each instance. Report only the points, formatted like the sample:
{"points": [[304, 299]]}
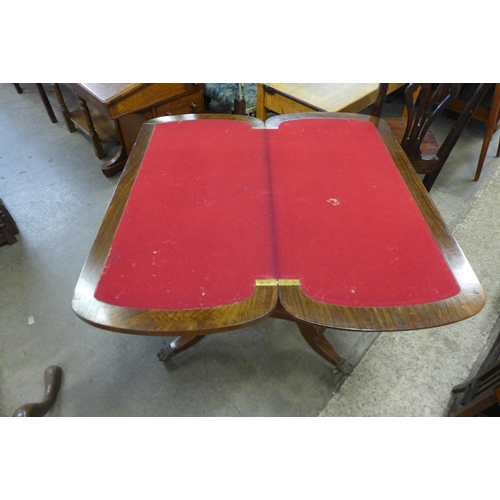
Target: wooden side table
{"points": [[285, 98], [127, 106]]}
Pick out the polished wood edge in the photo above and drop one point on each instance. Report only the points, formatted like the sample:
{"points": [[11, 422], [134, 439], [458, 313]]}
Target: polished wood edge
{"points": [[464, 305], [468, 302], [150, 321], [252, 121], [163, 322], [275, 121]]}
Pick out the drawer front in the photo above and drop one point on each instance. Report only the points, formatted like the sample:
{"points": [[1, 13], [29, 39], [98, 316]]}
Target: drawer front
{"points": [[192, 103], [284, 105], [145, 96]]}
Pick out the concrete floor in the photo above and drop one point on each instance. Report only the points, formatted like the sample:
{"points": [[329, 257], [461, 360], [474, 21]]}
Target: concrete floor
{"points": [[51, 182]]}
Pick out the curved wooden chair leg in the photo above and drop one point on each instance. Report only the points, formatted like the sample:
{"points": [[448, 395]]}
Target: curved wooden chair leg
{"points": [[53, 377], [315, 338], [490, 129], [178, 345]]}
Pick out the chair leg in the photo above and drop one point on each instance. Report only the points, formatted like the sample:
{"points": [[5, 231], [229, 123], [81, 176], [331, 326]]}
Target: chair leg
{"points": [[490, 128], [18, 88], [46, 102]]}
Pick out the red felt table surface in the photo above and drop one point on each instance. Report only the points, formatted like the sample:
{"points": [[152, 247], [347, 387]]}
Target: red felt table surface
{"points": [[196, 231], [217, 205], [346, 224]]}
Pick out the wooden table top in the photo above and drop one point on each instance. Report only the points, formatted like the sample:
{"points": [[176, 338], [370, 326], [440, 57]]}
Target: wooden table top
{"points": [[469, 299], [118, 99], [109, 92], [333, 97]]}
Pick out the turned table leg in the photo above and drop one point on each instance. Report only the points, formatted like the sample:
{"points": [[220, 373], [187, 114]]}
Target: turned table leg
{"points": [[94, 137], [64, 109]]}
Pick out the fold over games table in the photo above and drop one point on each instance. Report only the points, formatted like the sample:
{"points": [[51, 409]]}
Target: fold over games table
{"points": [[220, 221]]}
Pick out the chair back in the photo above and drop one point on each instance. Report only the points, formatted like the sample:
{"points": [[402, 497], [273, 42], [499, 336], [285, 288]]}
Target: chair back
{"points": [[424, 103]]}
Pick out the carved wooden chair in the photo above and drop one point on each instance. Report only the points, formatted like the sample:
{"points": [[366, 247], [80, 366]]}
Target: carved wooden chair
{"points": [[424, 103], [240, 98]]}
